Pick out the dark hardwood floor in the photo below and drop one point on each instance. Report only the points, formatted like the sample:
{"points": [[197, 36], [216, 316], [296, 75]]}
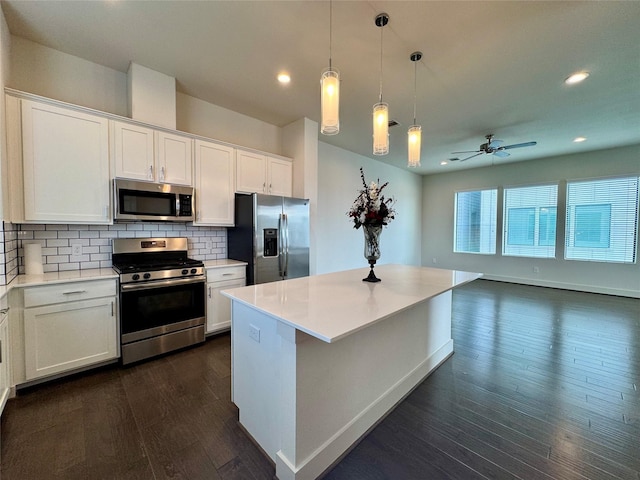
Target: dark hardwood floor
{"points": [[543, 384]]}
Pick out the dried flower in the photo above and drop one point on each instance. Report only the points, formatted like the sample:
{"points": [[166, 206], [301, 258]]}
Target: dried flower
{"points": [[371, 207]]}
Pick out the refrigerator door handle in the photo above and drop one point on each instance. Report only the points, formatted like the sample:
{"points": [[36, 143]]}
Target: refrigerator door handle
{"points": [[285, 247], [280, 244]]}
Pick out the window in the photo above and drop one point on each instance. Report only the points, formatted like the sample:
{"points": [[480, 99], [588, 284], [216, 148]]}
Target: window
{"points": [[530, 221], [602, 220], [475, 222]]}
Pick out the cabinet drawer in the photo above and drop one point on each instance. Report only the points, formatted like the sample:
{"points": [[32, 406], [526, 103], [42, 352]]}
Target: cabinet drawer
{"points": [[68, 292], [226, 273]]}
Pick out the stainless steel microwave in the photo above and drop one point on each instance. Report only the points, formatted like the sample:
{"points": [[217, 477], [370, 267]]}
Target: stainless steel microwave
{"points": [[161, 202]]}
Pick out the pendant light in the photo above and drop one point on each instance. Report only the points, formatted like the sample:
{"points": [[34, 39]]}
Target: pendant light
{"points": [[330, 93], [380, 109], [415, 131]]}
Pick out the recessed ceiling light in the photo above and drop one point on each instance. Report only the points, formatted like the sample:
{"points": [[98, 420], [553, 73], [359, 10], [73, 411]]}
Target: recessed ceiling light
{"points": [[579, 139], [444, 162], [576, 78], [284, 78]]}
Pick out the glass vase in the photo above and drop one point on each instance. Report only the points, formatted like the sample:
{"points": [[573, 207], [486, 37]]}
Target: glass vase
{"points": [[371, 248]]}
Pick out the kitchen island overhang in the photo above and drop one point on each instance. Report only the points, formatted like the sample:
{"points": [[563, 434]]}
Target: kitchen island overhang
{"points": [[318, 361]]}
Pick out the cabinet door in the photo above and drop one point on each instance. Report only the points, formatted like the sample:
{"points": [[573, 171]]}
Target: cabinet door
{"points": [[219, 306], [251, 171], [5, 380], [280, 177], [70, 335], [214, 184], [174, 159], [66, 165], [133, 151]]}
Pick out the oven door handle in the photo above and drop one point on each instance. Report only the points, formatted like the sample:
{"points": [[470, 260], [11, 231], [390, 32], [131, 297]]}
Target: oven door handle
{"points": [[161, 283]]}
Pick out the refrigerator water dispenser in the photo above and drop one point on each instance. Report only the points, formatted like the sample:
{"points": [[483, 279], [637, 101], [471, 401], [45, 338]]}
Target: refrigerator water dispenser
{"points": [[270, 240]]}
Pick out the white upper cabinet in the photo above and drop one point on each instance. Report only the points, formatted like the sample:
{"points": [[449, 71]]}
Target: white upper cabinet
{"points": [[279, 177], [257, 173], [141, 153], [133, 151], [214, 184], [251, 171], [65, 157], [174, 158]]}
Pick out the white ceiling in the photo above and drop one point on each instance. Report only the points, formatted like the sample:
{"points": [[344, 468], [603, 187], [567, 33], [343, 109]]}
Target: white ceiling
{"points": [[487, 67]]}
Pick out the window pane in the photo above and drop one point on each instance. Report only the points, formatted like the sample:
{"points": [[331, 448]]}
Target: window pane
{"points": [[593, 226], [548, 226], [522, 224], [530, 221], [475, 222], [602, 220]]}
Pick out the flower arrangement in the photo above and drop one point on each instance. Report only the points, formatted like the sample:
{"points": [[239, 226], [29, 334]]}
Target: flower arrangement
{"points": [[370, 207]]}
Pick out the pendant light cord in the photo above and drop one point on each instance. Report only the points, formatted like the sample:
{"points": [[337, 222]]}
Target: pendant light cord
{"points": [[381, 31], [415, 88], [330, 29]]}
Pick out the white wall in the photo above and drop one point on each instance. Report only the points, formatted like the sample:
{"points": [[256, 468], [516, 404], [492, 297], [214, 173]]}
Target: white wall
{"points": [[340, 246], [54, 74], [209, 120], [438, 216]]}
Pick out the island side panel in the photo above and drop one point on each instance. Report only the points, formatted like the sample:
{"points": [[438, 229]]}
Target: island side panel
{"points": [[342, 389], [256, 375]]}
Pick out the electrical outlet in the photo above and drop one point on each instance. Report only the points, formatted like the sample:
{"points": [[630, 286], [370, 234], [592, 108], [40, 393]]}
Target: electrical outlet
{"points": [[254, 333], [434, 260], [536, 270], [76, 249], [209, 245]]}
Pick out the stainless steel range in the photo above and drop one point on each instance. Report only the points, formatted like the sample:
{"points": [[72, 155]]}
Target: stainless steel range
{"points": [[162, 296]]}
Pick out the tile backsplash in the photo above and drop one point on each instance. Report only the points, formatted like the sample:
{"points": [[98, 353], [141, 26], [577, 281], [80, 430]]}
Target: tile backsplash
{"points": [[58, 241], [8, 252]]}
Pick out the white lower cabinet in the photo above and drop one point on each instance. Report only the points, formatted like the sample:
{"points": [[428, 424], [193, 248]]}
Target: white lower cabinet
{"points": [[219, 306], [68, 326], [5, 378]]}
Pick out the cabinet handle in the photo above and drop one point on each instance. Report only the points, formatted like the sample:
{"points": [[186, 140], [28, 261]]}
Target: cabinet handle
{"points": [[0, 351], [112, 308], [226, 274], [264, 187], [209, 292], [269, 188], [162, 174], [72, 292], [150, 172]]}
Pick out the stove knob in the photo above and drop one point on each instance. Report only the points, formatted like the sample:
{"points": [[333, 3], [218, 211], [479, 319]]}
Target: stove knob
{"points": [[193, 270], [185, 271], [146, 276], [135, 276]]}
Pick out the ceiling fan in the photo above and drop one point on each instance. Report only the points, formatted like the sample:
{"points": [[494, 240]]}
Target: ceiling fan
{"points": [[492, 147]]}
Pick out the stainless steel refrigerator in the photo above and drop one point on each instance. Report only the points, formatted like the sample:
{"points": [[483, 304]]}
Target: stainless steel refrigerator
{"points": [[271, 234]]}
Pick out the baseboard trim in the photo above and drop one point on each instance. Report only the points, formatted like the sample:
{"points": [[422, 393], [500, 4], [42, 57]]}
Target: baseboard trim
{"points": [[619, 292]]}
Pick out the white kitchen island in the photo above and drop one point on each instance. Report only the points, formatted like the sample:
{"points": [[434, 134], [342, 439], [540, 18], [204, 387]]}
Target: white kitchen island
{"points": [[318, 361]]}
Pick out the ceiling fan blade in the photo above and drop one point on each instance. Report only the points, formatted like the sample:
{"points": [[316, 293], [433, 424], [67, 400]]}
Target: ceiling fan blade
{"points": [[496, 143], [465, 159], [520, 145], [468, 151], [501, 153]]}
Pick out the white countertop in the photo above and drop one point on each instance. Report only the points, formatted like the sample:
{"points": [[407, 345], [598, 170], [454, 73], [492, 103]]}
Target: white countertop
{"points": [[62, 277], [225, 262], [334, 305]]}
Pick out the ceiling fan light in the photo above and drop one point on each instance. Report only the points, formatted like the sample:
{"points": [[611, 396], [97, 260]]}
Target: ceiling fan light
{"points": [[380, 129], [330, 101], [414, 139]]}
